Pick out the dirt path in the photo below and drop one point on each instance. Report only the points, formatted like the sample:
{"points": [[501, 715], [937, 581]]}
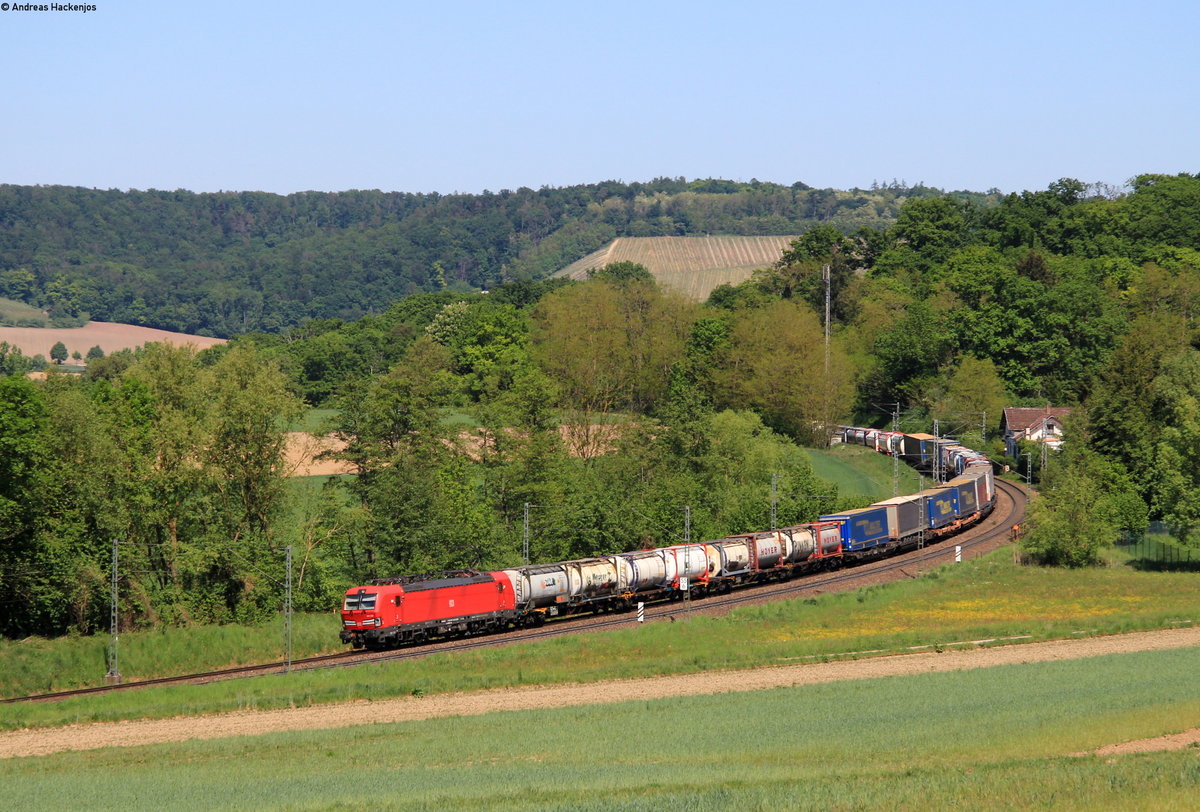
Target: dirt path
{"points": [[1174, 741], [250, 723]]}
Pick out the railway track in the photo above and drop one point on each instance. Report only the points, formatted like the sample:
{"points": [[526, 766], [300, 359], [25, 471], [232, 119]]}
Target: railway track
{"points": [[987, 532]]}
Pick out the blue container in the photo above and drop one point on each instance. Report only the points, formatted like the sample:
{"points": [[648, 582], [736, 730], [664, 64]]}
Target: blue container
{"points": [[968, 499], [861, 529], [941, 505]]}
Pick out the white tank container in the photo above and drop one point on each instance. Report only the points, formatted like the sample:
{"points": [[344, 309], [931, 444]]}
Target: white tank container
{"points": [[830, 539], [624, 572], [591, 578], [648, 569], [715, 559], [735, 555], [804, 543], [768, 549], [686, 561], [544, 585]]}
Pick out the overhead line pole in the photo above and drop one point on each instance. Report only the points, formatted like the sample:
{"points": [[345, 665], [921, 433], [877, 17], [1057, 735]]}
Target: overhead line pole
{"points": [[526, 531], [826, 395], [525, 545], [774, 500], [287, 610], [937, 453], [891, 448], [113, 677], [826, 277]]}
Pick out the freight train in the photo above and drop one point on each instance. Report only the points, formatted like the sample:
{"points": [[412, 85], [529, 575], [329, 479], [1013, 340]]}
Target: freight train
{"points": [[419, 608]]}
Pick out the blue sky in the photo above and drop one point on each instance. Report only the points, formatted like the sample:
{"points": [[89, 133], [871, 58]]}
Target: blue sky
{"points": [[465, 96]]}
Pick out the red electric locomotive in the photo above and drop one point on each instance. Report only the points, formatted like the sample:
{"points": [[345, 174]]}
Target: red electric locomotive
{"points": [[414, 608]]}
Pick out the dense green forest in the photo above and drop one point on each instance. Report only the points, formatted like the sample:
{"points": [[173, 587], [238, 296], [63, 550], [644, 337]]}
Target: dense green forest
{"points": [[227, 263], [610, 405]]}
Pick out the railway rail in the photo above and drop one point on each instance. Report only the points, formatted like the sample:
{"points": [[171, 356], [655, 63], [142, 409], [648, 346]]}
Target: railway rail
{"points": [[996, 527]]}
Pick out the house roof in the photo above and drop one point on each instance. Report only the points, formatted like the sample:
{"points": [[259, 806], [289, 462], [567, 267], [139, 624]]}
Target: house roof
{"points": [[1019, 419]]}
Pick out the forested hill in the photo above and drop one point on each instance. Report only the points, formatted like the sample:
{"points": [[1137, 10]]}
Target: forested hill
{"points": [[232, 262]]}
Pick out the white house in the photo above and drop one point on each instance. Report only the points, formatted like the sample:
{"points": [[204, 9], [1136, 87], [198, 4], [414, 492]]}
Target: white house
{"points": [[1039, 425]]}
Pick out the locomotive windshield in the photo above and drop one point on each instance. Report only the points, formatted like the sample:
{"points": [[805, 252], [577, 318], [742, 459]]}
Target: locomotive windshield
{"points": [[360, 600]]}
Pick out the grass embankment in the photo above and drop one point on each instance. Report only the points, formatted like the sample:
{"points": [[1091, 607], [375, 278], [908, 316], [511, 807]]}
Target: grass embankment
{"points": [[989, 598], [995, 738], [38, 665], [862, 472]]}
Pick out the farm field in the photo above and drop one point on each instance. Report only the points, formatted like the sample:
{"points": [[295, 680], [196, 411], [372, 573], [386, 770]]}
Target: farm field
{"points": [[1015, 736], [108, 336], [692, 266], [977, 600]]}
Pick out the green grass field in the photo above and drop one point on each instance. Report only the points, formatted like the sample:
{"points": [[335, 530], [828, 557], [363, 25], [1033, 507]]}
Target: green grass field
{"points": [[996, 738], [21, 314], [314, 420], [858, 471]]}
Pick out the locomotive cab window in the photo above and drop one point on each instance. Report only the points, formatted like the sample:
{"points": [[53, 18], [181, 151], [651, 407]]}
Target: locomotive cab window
{"points": [[360, 600]]}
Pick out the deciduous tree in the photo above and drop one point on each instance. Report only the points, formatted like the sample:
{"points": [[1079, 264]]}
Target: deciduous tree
{"points": [[776, 365], [611, 346]]}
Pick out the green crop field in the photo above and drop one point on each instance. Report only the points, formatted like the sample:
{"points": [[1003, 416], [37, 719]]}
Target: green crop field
{"points": [[998, 738]]}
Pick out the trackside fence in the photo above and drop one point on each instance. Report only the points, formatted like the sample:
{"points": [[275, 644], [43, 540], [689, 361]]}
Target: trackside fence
{"points": [[1158, 549]]}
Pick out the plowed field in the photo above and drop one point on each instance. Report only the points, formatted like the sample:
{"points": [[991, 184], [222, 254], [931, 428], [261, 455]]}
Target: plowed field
{"points": [[108, 336]]}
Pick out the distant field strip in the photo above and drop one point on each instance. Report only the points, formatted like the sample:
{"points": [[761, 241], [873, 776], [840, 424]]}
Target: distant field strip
{"points": [[691, 265]]}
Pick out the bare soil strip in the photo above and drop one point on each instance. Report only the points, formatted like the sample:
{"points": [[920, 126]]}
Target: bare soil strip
{"points": [[253, 723], [1174, 741]]}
